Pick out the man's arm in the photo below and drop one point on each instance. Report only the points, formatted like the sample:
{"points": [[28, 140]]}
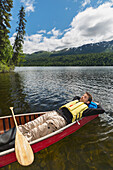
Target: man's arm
{"points": [[92, 111], [76, 98]]}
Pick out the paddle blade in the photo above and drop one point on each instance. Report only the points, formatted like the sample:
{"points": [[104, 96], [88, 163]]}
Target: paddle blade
{"points": [[23, 150]]}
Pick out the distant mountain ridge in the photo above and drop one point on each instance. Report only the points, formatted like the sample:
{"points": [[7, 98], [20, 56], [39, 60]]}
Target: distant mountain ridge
{"points": [[105, 46], [97, 54]]}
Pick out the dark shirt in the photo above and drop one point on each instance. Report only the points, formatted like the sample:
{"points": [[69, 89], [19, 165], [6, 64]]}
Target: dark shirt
{"points": [[66, 114]]}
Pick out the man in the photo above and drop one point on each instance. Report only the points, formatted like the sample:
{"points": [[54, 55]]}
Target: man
{"points": [[92, 108], [54, 120]]}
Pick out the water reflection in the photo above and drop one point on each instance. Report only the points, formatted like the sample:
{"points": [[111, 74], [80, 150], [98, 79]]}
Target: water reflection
{"points": [[11, 94], [31, 89]]}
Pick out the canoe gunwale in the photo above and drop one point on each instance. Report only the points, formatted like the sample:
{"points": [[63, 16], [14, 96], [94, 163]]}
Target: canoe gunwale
{"points": [[25, 114]]}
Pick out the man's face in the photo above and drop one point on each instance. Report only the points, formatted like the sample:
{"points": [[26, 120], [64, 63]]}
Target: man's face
{"points": [[85, 98]]}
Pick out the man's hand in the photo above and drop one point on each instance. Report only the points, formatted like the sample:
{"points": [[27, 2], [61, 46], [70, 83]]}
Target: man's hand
{"points": [[96, 102]]}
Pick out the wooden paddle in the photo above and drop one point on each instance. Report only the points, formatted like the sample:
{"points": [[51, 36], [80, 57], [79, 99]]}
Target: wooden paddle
{"points": [[23, 150]]}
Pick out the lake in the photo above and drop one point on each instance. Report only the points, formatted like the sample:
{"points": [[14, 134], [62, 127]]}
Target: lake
{"points": [[32, 89]]}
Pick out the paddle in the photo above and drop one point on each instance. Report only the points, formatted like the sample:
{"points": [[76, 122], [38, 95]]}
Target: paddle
{"points": [[23, 150]]}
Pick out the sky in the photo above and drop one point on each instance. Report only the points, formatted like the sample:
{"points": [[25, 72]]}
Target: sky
{"points": [[59, 24]]}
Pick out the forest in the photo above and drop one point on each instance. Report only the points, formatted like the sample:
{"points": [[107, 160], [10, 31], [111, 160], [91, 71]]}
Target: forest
{"points": [[45, 59]]}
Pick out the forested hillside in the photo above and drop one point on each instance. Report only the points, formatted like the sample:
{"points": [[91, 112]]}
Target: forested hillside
{"points": [[97, 54], [45, 59]]}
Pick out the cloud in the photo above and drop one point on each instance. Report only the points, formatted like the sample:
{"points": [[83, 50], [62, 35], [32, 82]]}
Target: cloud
{"points": [[41, 31], [46, 44], [89, 26], [86, 2], [55, 32], [66, 8], [99, 1], [11, 18], [29, 5]]}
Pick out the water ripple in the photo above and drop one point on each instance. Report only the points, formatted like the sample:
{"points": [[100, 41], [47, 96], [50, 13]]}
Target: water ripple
{"points": [[32, 89]]}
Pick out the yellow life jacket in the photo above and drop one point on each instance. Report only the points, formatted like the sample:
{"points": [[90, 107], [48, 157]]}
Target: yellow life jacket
{"points": [[76, 108]]}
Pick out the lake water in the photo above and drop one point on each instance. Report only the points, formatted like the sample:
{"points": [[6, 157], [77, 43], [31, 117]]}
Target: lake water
{"points": [[32, 89]]}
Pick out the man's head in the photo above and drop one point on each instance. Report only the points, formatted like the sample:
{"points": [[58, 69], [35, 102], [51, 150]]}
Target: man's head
{"points": [[86, 98]]}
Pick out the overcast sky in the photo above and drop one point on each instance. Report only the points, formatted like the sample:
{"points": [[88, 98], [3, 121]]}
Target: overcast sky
{"points": [[58, 24]]}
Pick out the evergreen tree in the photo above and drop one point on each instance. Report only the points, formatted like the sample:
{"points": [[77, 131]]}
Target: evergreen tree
{"points": [[5, 47], [19, 39]]}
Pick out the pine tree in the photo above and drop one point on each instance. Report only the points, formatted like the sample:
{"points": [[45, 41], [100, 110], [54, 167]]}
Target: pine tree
{"points": [[5, 47], [19, 39]]}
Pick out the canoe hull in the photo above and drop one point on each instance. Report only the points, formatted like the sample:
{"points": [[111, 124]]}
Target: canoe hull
{"points": [[10, 157]]}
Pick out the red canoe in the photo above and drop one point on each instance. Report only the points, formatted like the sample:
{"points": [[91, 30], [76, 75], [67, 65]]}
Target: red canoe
{"points": [[8, 156]]}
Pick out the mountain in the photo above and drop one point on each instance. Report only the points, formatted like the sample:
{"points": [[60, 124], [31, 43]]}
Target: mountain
{"points": [[97, 54], [105, 46]]}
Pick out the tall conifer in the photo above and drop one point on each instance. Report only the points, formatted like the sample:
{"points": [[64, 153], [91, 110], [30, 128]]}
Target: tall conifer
{"points": [[19, 39], [5, 47]]}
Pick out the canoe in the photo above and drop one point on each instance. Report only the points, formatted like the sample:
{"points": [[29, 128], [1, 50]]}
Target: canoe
{"points": [[6, 122]]}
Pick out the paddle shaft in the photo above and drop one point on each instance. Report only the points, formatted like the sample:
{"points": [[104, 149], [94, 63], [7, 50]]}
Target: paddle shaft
{"points": [[14, 117]]}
